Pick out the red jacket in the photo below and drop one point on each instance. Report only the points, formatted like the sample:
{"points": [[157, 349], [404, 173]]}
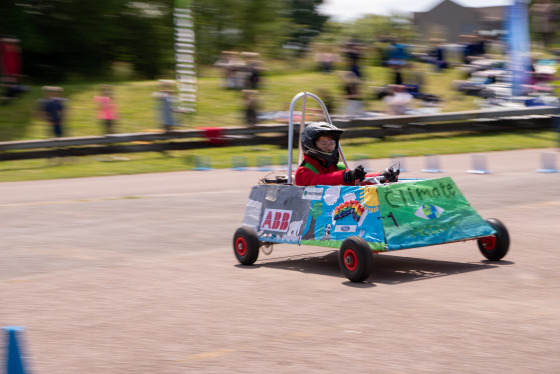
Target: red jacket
{"points": [[313, 172], [327, 174]]}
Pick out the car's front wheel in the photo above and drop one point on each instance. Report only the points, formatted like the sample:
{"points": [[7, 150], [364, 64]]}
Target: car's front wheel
{"points": [[246, 245], [355, 259]]}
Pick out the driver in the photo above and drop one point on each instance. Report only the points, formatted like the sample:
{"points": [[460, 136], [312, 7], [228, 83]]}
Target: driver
{"points": [[319, 141]]}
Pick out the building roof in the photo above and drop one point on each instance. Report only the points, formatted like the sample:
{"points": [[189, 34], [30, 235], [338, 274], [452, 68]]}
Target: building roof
{"points": [[491, 13], [488, 13]]}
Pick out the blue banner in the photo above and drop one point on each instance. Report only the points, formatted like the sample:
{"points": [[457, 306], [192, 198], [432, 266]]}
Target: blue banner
{"points": [[518, 45]]}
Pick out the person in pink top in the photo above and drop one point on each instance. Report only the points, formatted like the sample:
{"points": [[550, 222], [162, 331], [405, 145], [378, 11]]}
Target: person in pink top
{"points": [[107, 109]]}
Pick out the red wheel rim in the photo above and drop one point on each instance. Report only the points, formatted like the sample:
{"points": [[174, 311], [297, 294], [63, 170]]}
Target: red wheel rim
{"points": [[241, 246], [350, 259], [488, 243]]}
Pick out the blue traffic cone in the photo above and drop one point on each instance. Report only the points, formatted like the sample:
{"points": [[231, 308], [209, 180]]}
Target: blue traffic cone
{"points": [[14, 362], [239, 162], [263, 163], [202, 163]]}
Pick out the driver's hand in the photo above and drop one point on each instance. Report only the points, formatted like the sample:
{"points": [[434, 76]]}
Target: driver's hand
{"points": [[353, 175], [391, 175]]}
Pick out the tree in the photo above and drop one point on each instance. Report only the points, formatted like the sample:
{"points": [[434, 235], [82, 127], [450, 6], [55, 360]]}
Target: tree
{"points": [[251, 25], [63, 38], [371, 31], [255, 25], [307, 23], [315, 212]]}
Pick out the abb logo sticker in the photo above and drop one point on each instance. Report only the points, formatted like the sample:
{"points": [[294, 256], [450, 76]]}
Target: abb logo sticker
{"points": [[276, 220]]}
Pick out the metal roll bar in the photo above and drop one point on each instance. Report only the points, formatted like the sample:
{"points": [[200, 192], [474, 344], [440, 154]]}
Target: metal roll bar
{"points": [[304, 96]]}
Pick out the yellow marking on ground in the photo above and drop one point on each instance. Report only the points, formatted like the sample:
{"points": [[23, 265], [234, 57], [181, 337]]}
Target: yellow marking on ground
{"points": [[252, 344], [15, 281], [300, 335], [543, 314], [536, 205], [208, 355], [109, 198], [62, 202]]}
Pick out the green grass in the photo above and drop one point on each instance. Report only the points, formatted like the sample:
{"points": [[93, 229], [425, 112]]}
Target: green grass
{"points": [[149, 162], [218, 107]]}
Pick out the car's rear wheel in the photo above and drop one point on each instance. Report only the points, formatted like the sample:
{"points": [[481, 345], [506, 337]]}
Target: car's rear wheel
{"points": [[495, 247], [355, 259], [246, 245]]}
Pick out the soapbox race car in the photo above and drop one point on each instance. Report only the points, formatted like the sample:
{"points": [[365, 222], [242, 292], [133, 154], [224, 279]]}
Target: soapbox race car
{"points": [[360, 220]]}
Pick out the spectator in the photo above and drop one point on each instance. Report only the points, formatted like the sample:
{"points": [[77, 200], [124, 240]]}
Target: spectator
{"points": [[107, 109], [413, 79], [11, 91], [250, 104], [52, 109], [545, 16], [397, 100], [10, 69], [10, 60], [474, 48], [252, 70], [233, 68], [436, 56], [398, 56], [223, 63], [353, 53], [479, 46], [325, 60], [352, 93], [413, 84], [165, 105]]}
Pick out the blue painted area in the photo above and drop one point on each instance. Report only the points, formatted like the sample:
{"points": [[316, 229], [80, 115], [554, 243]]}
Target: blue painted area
{"points": [[518, 45], [338, 221]]}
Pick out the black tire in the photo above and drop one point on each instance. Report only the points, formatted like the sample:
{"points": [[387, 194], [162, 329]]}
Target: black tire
{"points": [[246, 245], [355, 259], [496, 246]]}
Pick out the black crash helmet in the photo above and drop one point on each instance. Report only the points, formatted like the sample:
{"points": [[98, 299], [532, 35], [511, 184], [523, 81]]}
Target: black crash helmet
{"points": [[312, 132]]}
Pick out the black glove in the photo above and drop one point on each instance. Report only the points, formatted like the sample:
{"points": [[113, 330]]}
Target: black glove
{"points": [[357, 174], [391, 175]]}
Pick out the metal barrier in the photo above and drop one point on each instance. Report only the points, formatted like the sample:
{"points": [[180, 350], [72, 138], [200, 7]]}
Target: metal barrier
{"points": [[277, 134]]}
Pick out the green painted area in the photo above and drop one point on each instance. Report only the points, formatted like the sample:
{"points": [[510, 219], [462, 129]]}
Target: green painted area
{"points": [[375, 247], [426, 213]]}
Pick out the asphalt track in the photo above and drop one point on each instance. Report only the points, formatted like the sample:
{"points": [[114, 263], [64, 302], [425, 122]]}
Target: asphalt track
{"points": [[135, 274]]}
